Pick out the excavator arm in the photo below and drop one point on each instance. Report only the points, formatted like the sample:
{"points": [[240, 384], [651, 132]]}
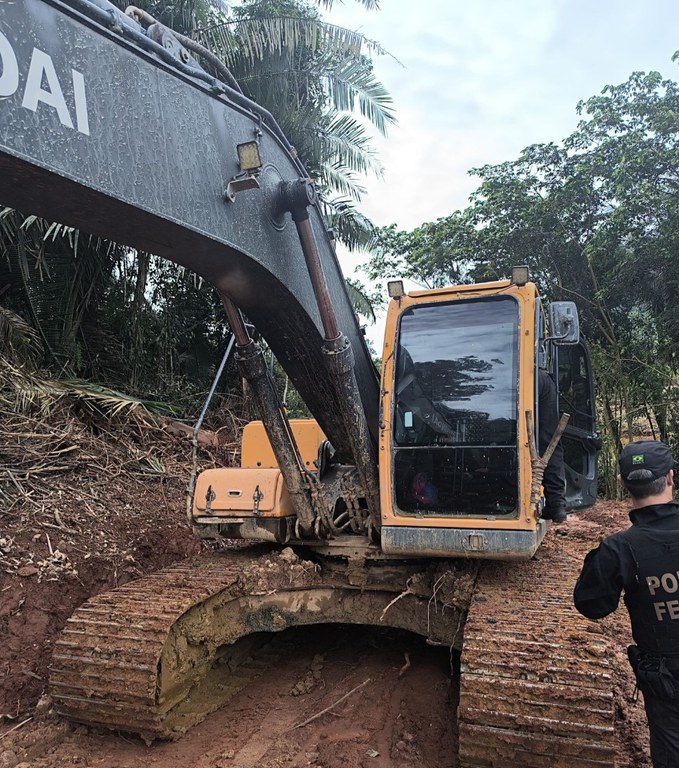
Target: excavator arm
{"points": [[120, 133]]}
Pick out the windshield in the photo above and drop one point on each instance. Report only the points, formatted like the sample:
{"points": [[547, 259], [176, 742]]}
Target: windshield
{"points": [[455, 408]]}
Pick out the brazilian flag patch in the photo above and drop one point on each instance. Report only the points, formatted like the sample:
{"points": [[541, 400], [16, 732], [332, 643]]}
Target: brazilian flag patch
{"points": [[638, 458]]}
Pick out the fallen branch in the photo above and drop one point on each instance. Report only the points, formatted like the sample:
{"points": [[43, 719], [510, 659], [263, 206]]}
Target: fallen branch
{"points": [[16, 727], [56, 527], [59, 521], [332, 706]]}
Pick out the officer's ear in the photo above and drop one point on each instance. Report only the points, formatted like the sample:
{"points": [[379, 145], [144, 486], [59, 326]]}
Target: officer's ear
{"points": [[670, 478], [620, 481]]}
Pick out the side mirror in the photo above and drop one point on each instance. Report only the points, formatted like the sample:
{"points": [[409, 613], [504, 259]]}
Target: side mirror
{"points": [[564, 325]]}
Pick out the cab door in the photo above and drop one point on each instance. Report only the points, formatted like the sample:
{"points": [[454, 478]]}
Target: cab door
{"points": [[580, 440]]}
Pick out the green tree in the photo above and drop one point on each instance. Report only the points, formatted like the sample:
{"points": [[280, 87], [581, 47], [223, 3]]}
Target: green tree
{"points": [[434, 254], [597, 220], [53, 277]]}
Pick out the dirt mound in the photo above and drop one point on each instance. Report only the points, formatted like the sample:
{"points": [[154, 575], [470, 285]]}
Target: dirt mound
{"points": [[84, 508], [278, 571]]}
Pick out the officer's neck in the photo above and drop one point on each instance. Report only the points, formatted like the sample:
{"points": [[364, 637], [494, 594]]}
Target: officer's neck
{"points": [[660, 498]]}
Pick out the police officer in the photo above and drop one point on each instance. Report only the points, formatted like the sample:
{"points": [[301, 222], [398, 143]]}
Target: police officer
{"points": [[643, 561]]}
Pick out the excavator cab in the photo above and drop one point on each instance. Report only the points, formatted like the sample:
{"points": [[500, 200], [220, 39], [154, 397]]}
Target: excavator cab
{"points": [[459, 377], [458, 380]]}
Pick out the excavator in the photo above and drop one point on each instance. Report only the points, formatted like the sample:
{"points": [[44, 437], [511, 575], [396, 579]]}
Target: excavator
{"points": [[407, 501]]}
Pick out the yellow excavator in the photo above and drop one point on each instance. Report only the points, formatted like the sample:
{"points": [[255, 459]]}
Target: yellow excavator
{"points": [[407, 501], [454, 463]]}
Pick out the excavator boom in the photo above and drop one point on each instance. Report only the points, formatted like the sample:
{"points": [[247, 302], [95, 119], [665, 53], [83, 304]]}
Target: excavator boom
{"points": [[106, 129]]}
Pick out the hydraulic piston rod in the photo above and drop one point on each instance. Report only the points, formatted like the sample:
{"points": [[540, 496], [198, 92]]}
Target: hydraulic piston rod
{"points": [[253, 368], [296, 197]]}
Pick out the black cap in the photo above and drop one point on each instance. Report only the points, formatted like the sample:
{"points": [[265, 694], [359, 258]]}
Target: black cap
{"points": [[644, 461]]}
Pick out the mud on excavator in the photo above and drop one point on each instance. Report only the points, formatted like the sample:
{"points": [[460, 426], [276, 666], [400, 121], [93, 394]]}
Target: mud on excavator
{"points": [[405, 502]]}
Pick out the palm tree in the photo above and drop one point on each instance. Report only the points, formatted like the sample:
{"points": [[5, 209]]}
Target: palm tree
{"points": [[55, 277], [318, 82]]}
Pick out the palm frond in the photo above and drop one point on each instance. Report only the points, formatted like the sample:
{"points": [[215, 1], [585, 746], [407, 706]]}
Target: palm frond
{"points": [[252, 38], [344, 138], [33, 390], [27, 388], [335, 177], [19, 341], [59, 269], [350, 226], [361, 301], [369, 5], [111, 403], [352, 81], [336, 141]]}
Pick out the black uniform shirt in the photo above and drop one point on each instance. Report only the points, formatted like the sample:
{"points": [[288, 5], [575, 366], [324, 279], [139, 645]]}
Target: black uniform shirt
{"points": [[623, 562]]}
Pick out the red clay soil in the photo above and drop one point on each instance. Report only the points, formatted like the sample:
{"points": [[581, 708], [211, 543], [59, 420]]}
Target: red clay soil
{"points": [[57, 550]]}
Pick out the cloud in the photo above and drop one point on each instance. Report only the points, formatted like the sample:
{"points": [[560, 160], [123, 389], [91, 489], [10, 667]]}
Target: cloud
{"points": [[480, 81]]}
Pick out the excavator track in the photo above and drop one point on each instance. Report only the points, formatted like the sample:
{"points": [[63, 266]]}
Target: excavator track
{"points": [[157, 655], [106, 667], [536, 684]]}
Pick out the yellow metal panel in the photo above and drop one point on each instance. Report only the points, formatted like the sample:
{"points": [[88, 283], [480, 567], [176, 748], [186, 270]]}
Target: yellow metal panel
{"points": [[232, 492], [460, 291], [256, 449], [527, 298]]}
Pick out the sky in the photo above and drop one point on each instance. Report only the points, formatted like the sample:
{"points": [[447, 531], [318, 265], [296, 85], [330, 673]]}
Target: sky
{"points": [[477, 81]]}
